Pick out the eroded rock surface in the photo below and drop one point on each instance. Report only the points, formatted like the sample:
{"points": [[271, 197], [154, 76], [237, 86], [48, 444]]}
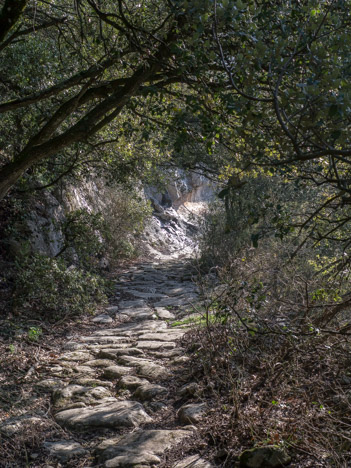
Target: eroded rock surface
{"points": [[141, 448]]}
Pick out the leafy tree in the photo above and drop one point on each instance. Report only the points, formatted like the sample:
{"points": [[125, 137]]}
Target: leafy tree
{"points": [[77, 78]]}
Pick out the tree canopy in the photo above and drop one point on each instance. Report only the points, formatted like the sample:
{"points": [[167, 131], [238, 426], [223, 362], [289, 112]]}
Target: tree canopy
{"points": [[235, 87]]}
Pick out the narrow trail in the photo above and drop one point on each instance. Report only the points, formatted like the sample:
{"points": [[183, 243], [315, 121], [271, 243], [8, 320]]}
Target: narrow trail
{"points": [[120, 387]]}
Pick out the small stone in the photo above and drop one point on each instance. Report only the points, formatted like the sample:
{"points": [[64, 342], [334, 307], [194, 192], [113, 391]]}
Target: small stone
{"points": [[64, 450], [192, 413], [148, 391], [164, 314], [180, 359], [271, 456], [189, 390], [102, 318], [131, 382]]}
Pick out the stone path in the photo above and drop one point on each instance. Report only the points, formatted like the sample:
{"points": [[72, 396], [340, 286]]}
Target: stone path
{"points": [[117, 374]]}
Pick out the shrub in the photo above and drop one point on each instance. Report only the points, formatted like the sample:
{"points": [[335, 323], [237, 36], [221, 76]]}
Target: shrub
{"points": [[125, 217], [81, 231], [44, 286]]}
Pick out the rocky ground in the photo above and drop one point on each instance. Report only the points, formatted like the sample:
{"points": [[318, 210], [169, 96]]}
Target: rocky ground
{"points": [[119, 395]]}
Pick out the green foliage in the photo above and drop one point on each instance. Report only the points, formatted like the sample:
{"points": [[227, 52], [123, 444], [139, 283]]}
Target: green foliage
{"points": [[34, 333], [47, 288], [81, 230], [125, 216]]}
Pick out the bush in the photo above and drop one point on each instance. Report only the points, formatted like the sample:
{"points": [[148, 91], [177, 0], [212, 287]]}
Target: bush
{"points": [[45, 287], [125, 217], [82, 232]]}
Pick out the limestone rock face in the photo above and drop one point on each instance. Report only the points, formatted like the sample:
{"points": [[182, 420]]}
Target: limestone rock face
{"points": [[271, 456], [115, 414]]}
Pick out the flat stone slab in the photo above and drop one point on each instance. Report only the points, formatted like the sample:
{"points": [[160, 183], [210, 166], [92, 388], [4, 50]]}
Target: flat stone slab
{"points": [[103, 318], [113, 353], [116, 372], [103, 339], [131, 382], [64, 450], [76, 356], [95, 348], [48, 385], [140, 448], [116, 415], [83, 369], [137, 327], [71, 394], [156, 345], [145, 367], [164, 314], [164, 335], [140, 314], [113, 332]]}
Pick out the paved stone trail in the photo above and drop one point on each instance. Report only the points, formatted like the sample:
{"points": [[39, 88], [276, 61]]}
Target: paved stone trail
{"points": [[116, 374]]}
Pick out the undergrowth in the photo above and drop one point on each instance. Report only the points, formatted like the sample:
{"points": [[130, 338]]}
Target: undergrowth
{"points": [[274, 389]]}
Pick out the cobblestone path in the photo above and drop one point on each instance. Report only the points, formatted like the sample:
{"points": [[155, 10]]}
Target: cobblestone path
{"points": [[119, 386]]}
